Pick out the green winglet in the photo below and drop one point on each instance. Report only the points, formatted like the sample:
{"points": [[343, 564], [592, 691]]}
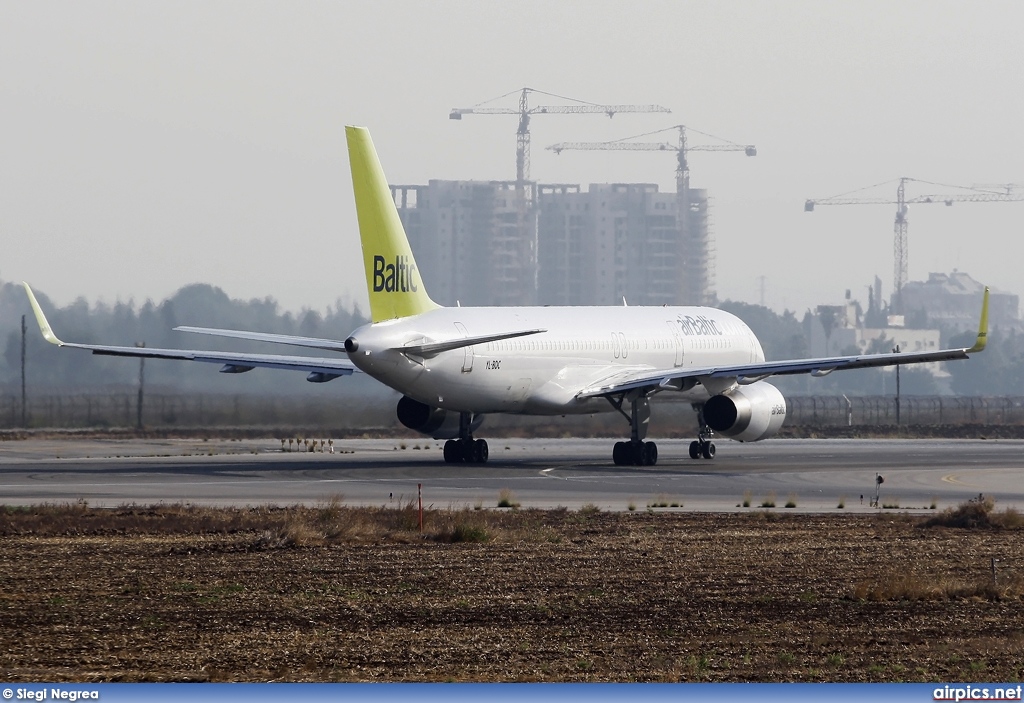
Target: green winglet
{"points": [[979, 344], [44, 326]]}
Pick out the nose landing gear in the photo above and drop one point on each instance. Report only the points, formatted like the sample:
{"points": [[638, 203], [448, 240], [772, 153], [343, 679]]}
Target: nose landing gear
{"points": [[702, 446]]}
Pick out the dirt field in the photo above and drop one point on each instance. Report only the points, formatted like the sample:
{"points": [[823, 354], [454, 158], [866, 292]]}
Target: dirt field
{"points": [[339, 594]]}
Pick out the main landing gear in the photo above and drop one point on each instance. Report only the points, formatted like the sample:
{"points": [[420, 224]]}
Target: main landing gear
{"points": [[465, 449], [702, 446], [635, 452]]}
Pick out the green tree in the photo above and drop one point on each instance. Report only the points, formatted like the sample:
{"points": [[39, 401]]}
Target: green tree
{"points": [[781, 336]]}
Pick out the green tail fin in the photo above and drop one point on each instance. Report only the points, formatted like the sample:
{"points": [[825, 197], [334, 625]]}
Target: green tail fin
{"points": [[982, 340], [392, 277]]}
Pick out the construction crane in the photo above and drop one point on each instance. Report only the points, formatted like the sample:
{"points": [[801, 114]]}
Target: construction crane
{"points": [[519, 258], [696, 282], [966, 194], [525, 111]]}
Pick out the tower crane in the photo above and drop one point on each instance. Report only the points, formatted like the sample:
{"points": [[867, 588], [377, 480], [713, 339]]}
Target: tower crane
{"points": [[697, 282], [525, 111], [966, 194], [521, 256]]}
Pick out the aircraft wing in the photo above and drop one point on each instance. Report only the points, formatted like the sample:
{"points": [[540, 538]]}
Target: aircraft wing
{"points": [[310, 342], [675, 378], [319, 369]]}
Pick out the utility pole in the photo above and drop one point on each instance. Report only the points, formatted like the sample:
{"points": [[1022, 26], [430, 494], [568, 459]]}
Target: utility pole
{"points": [[142, 381], [896, 350], [23, 396]]}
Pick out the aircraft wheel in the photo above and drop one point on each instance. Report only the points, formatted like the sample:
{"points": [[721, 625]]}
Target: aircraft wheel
{"points": [[480, 451], [452, 452], [709, 450], [650, 454], [695, 449], [467, 450], [618, 453], [637, 453]]}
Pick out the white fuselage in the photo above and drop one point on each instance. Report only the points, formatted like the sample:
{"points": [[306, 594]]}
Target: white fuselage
{"points": [[542, 374]]}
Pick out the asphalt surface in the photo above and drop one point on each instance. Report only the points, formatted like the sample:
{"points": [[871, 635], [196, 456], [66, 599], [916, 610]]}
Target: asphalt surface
{"points": [[815, 474]]}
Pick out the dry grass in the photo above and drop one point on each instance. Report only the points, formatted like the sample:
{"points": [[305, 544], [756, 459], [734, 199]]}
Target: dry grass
{"points": [[343, 593], [978, 513], [507, 499], [266, 527], [900, 585]]}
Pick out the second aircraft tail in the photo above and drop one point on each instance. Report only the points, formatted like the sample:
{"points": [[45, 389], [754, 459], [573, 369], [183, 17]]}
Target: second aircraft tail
{"points": [[392, 278]]}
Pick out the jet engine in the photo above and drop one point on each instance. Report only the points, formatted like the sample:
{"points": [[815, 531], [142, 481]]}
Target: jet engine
{"points": [[747, 413], [436, 422]]}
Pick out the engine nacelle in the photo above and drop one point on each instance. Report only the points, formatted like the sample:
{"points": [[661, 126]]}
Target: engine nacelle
{"points": [[747, 413], [436, 422]]}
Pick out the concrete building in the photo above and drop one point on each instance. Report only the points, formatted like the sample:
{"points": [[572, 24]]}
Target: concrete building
{"points": [[467, 242], [952, 302], [573, 247], [611, 241], [839, 330]]}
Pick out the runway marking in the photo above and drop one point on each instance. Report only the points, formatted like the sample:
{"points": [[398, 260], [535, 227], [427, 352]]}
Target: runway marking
{"points": [[955, 480]]}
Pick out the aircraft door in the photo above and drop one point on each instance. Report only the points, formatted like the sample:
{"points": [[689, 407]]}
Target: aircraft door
{"points": [[677, 342], [467, 361]]}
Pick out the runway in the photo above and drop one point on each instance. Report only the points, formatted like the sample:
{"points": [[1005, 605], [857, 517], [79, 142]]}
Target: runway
{"points": [[815, 474]]}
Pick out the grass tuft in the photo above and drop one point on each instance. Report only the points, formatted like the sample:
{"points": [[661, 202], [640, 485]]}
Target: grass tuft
{"points": [[901, 585], [977, 513], [506, 499], [469, 533]]}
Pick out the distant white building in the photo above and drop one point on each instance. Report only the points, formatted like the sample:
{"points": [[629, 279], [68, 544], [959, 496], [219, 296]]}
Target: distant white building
{"points": [[838, 330], [953, 302]]}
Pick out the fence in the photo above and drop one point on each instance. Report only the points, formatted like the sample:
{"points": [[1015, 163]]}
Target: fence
{"points": [[169, 410], [120, 409], [913, 410]]}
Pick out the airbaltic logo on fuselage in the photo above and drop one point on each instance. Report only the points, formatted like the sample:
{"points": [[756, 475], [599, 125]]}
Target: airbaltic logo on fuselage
{"points": [[398, 277], [699, 325]]}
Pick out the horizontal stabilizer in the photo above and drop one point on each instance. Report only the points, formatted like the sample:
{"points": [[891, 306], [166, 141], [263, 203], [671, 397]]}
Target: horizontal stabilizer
{"points": [[435, 348]]}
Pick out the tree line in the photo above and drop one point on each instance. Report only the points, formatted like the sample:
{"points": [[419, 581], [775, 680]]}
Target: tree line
{"points": [[999, 371], [151, 323]]}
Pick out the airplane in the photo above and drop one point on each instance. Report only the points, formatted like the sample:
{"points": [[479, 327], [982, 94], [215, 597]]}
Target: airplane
{"points": [[454, 366]]}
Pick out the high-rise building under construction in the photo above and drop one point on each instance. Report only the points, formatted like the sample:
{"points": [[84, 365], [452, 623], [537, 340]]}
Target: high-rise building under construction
{"points": [[578, 247]]}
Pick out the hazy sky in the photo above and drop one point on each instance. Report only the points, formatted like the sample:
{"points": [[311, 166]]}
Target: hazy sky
{"points": [[149, 145]]}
